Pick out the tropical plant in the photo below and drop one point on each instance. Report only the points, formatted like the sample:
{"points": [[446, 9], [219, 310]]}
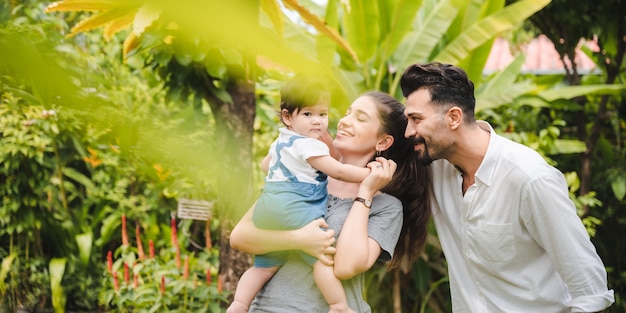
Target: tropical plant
{"points": [[355, 45], [62, 170], [172, 280], [7, 281], [597, 120]]}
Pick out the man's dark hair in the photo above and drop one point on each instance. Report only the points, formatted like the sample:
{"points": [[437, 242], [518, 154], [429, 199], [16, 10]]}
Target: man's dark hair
{"points": [[448, 85]]}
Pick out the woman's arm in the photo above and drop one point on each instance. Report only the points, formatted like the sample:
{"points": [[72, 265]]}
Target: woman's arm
{"points": [[356, 251], [310, 239]]}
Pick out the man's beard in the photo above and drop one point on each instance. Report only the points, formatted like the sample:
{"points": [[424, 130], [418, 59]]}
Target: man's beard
{"points": [[422, 155]]}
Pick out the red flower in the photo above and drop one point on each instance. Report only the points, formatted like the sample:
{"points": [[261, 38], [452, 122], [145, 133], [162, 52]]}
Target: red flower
{"points": [[162, 285], [174, 233], [220, 284], [110, 261], [186, 268], [124, 234], [140, 252], [116, 283], [208, 276], [126, 276], [135, 280], [151, 244]]}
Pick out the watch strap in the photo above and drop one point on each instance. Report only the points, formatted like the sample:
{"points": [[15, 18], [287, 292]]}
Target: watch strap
{"points": [[366, 203]]}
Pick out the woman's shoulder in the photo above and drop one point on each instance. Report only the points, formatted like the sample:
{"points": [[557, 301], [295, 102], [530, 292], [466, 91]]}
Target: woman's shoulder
{"points": [[386, 201]]}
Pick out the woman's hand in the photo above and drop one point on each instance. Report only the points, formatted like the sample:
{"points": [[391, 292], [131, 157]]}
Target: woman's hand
{"points": [[317, 241], [356, 251], [382, 173], [311, 239]]}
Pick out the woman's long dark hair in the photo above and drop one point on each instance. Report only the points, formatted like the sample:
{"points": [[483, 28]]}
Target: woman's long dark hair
{"points": [[411, 182]]}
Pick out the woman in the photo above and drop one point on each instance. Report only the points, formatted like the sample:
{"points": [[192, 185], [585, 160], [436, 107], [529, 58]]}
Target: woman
{"points": [[394, 228]]}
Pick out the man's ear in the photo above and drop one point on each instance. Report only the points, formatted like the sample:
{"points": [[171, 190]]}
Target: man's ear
{"points": [[384, 143], [454, 117]]}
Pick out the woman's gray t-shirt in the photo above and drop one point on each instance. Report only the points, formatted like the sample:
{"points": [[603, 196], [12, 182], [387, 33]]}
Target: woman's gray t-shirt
{"points": [[292, 288]]}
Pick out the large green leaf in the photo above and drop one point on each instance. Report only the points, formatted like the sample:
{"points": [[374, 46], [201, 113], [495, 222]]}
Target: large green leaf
{"points": [[419, 43], [475, 62], [244, 35], [618, 185], [488, 28], [320, 26], [504, 96], [503, 78], [302, 40], [84, 242], [569, 92], [101, 19], [347, 81], [57, 269], [4, 271], [468, 13], [274, 13], [361, 29], [568, 146], [325, 46], [501, 87], [78, 177], [401, 17]]}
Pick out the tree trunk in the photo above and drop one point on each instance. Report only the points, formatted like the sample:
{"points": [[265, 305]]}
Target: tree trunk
{"points": [[234, 122], [232, 262]]}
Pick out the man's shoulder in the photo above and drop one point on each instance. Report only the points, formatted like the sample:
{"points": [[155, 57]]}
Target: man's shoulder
{"points": [[520, 154]]}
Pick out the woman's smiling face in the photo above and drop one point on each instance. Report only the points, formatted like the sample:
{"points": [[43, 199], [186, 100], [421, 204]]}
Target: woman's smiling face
{"points": [[359, 129]]}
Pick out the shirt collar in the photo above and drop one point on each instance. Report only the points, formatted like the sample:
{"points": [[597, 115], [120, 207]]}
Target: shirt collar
{"points": [[487, 167]]}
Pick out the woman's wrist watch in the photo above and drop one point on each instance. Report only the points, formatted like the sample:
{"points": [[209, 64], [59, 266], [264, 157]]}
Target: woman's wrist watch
{"points": [[366, 203]]}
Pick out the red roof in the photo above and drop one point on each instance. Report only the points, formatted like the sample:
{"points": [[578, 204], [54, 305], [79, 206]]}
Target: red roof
{"points": [[541, 57]]}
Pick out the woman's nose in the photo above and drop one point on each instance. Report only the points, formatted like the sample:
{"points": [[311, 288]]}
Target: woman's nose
{"points": [[343, 121]]}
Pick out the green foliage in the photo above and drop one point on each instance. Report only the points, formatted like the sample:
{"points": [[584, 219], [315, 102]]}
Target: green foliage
{"points": [[172, 280], [88, 139], [71, 165]]}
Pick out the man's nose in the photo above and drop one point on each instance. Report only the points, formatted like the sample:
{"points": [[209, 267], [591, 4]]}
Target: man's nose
{"points": [[409, 131]]}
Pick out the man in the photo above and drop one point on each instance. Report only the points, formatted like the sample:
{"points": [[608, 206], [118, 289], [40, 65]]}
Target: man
{"points": [[509, 231]]}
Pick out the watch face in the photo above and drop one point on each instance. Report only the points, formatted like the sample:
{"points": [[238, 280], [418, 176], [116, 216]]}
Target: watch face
{"points": [[368, 203]]}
